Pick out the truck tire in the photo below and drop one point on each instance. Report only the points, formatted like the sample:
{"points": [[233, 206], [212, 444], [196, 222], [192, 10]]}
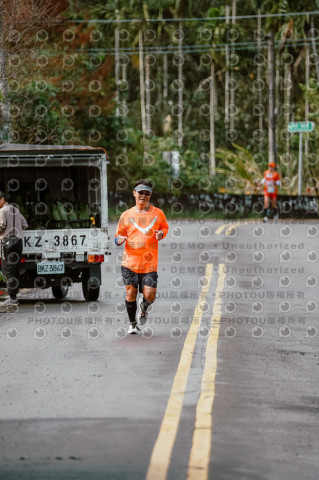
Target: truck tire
{"points": [[91, 282], [90, 293], [60, 292]]}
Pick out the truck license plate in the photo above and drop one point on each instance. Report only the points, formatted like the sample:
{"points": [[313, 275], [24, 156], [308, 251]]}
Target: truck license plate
{"points": [[50, 267]]}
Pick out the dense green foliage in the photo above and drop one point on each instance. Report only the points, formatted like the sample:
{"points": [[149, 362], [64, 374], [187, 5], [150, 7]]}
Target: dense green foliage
{"points": [[71, 96]]}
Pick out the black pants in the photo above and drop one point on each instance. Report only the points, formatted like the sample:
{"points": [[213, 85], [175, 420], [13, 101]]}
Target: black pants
{"points": [[11, 268]]}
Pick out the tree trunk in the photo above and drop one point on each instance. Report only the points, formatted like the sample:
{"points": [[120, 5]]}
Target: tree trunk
{"points": [[117, 69], [231, 75], [314, 47], [165, 82], [4, 104], [166, 126], [259, 91], [212, 163], [180, 90], [277, 92], [227, 77], [147, 94], [307, 101], [271, 101], [287, 101], [142, 84]]}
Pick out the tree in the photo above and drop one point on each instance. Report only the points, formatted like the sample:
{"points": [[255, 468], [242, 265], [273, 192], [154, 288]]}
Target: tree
{"points": [[22, 23]]}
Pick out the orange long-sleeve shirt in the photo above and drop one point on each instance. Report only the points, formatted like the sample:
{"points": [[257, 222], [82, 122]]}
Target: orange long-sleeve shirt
{"points": [[141, 247]]}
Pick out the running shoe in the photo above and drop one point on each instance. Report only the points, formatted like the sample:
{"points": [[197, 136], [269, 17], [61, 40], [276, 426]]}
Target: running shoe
{"points": [[276, 217], [133, 328], [9, 302], [142, 315], [265, 219]]}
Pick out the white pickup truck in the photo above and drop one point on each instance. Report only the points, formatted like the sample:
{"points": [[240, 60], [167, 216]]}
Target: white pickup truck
{"points": [[62, 192]]}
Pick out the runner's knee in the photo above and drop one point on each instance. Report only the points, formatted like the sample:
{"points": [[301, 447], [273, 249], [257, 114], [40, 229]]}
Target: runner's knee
{"points": [[131, 293], [149, 295]]}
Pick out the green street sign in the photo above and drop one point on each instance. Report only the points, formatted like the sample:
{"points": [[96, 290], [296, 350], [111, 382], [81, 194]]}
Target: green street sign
{"points": [[300, 127]]}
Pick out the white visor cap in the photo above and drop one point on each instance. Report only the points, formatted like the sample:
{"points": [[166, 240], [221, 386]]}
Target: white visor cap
{"points": [[142, 187]]}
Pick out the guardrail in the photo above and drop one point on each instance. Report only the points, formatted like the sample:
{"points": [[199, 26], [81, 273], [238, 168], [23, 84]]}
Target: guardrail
{"points": [[233, 206]]}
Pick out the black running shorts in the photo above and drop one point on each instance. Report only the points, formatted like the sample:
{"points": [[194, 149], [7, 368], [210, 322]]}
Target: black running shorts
{"points": [[139, 280]]}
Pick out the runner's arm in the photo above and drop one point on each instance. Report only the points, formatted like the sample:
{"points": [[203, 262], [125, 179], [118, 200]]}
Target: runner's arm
{"points": [[164, 226], [119, 240], [159, 234], [121, 233]]}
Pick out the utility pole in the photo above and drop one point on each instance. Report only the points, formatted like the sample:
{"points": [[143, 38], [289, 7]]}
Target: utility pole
{"points": [[271, 101]]}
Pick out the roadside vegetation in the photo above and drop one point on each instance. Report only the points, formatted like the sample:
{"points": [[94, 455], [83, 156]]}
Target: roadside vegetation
{"points": [[141, 78]]}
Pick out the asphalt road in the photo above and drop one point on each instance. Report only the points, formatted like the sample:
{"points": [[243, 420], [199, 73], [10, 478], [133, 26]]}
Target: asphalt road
{"points": [[221, 384]]}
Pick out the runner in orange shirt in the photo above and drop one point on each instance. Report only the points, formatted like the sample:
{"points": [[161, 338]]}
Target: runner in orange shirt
{"points": [[271, 180], [140, 228]]}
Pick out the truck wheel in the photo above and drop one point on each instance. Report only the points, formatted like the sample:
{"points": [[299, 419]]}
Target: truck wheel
{"points": [[90, 288], [60, 292]]}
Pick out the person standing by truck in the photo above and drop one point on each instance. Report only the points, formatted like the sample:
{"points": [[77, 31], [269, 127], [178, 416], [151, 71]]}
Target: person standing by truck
{"points": [[140, 228], [12, 224]]}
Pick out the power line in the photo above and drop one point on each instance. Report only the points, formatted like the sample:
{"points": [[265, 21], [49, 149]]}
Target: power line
{"points": [[201, 19], [170, 49]]}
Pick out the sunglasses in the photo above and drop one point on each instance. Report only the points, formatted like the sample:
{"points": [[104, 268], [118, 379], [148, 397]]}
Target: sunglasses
{"points": [[147, 194]]}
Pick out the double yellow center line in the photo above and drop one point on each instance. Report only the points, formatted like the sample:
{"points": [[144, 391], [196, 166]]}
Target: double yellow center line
{"points": [[201, 446], [202, 438]]}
